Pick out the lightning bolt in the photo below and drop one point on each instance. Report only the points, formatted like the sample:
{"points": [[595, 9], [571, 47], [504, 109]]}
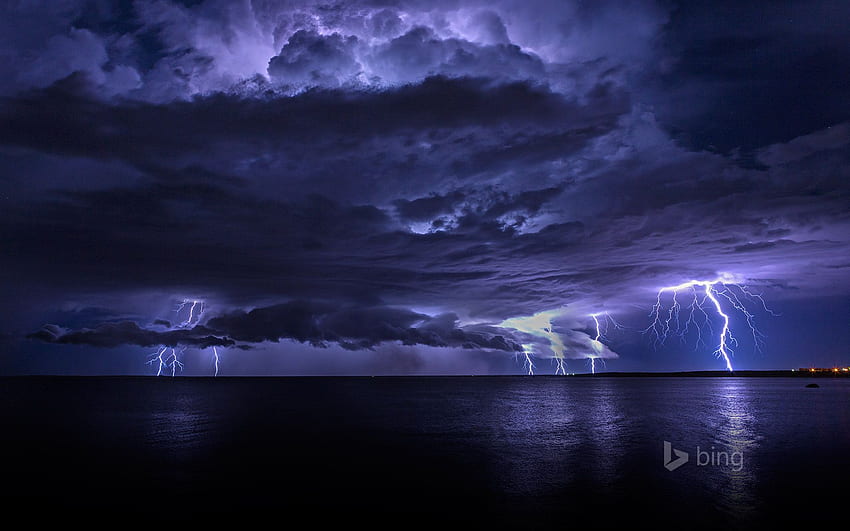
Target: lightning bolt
{"points": [[540, 325], [607, 321], [172, 361], [175, 362], [560, 366], [595, 317], [528, 364], [191, 313], [703, 295], [191, 317], [157, 358]]}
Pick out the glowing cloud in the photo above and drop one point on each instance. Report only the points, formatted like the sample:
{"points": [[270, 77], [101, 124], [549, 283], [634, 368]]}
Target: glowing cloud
{"points": [[540, 325], [569, 343]]}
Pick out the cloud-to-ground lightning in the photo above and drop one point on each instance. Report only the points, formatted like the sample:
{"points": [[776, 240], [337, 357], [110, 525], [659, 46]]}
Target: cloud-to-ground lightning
{"points": [[172, 361], [560, 366], [540, 325], [601, 322], [596, 341], [703, 295], [528, 364], [570, 342], [157, 358]]}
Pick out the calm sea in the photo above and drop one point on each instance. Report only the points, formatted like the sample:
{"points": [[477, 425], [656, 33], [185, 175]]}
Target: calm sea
{"points": [[512, 452]]}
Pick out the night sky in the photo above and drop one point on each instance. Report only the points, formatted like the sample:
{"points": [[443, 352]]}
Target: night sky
{"points": [[442, 187]]}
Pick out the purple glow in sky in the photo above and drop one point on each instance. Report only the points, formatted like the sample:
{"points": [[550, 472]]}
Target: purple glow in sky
{"points": [[373, 187]]}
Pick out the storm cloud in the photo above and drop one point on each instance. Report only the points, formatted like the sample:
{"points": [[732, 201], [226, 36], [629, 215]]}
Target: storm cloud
{"points": [[306, 322], [408, 173]]}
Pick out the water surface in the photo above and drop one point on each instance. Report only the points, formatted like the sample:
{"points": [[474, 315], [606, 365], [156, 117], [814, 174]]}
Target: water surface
{"points": [[538, 452]]}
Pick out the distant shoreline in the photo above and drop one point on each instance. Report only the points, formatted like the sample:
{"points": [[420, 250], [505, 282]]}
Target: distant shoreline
{"points": [[725, 374]]}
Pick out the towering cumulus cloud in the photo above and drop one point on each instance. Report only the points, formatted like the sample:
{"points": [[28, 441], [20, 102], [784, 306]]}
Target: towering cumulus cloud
{"points": [[467, 183]]}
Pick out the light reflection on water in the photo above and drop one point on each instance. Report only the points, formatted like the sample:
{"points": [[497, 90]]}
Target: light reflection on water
{"points": [[735, 431], [550, 435], [179, 425], [530, 436], [569, 441]]}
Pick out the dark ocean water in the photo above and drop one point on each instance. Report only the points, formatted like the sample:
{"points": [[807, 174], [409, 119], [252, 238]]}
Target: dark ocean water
{"points": [[542, 452]]}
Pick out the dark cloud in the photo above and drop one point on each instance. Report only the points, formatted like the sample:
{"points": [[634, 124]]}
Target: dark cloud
{"points": [[130, 333], [307, 322], [748, 247], [65, 119], [737, 75], [426, 208], [355, 328]]}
